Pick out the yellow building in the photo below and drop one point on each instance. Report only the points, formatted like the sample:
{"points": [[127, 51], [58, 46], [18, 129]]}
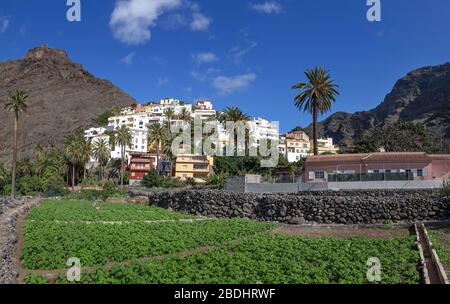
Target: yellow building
{"points": [[197, 167], [325, 145]]}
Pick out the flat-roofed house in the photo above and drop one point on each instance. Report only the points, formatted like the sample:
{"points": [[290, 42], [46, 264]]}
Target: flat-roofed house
{"points": [[380, 166]]}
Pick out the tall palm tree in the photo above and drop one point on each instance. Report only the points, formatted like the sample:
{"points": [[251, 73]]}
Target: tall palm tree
{"points": [[101, 152], [85, 153], [123, 138], [234, 114], [184, 115], [169, 114], [156, 136], [316, 96], [17, 103], [73, 153]]}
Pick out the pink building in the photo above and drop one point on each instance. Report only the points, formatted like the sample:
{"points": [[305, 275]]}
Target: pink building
{"points": [[377, 166]]}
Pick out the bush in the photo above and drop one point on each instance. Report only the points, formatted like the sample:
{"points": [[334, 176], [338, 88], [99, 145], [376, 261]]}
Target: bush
{"points": [[29, 185], [153, 180], [7, 189], [446, 188], [217, 180], [191, 181]]}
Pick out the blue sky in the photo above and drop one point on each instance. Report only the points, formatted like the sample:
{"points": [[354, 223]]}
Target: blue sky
{"points": [[235, 52]]}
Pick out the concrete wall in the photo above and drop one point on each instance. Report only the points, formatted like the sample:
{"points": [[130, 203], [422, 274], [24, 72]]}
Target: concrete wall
{"points": [[250, 184]]}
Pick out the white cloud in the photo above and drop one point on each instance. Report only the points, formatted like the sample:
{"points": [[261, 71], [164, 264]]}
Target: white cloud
{"points": [[200, 22], [132, 20], [268, 7], [228, 85], [206, 57], [4, 23], [128, 60], [162, 81]]}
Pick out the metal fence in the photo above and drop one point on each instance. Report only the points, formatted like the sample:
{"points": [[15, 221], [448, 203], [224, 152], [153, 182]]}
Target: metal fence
{"points": [[282, 179], [371, 177]]}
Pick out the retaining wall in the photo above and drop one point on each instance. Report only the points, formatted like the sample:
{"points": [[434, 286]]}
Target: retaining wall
{"points": [[325, 207]]}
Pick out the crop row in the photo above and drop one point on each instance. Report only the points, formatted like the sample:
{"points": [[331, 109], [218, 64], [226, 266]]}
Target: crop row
{"points": [[49, 245], [66, 210], [270, 258]]}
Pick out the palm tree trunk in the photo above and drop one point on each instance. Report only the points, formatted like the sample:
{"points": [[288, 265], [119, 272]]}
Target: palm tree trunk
{"points": [[73, 177], [14, 164], [157, 159], [316, 148], [122, 169]]}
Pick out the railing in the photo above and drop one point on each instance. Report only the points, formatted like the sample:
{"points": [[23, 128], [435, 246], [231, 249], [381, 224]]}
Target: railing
{"points": [[281, 179], [370, 177]]}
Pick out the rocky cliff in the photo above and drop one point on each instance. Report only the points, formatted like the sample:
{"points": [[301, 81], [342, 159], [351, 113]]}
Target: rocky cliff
{"points": [[63, 98]]}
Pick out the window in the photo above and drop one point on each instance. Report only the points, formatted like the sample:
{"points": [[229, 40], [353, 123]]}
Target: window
{"points": [[420, 172], [319, 175], [388, 171]]}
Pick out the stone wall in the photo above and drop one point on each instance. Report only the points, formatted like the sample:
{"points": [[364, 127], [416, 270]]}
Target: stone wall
{"points": [[326, 207]]}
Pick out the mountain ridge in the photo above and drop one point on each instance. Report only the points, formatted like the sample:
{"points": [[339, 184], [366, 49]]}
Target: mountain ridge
{"points": [[63, 98]]}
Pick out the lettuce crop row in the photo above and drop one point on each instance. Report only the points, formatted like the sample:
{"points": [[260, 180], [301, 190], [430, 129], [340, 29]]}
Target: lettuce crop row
{"points": [[275, 259], [65, 210], [49, 245]]}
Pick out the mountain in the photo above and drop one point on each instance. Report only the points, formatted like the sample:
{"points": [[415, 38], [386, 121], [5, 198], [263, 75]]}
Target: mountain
{"points": [[422, 96], [63, 99]]}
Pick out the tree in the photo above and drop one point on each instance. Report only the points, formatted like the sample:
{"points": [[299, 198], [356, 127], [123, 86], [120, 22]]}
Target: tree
{"points": [[234, 114], [85, 153], [73, 153], [169, 114], [156, 135], [16, 103], [101, 152], [184, 115], [123, 138], [404, 136], [316, 96]]}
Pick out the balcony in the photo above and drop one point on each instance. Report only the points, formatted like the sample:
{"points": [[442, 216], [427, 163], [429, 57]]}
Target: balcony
{"points": [[371, 177]]}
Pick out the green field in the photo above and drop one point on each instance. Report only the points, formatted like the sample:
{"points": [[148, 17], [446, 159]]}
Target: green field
{"points": [[133, 250]]}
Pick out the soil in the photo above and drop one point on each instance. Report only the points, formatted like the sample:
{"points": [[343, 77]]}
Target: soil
{"points": [[344, 232]]}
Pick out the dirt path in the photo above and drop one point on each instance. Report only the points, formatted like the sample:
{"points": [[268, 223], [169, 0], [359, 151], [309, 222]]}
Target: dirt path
{"points": [[343, 232]]}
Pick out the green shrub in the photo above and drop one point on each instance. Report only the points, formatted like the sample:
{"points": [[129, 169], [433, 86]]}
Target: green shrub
{"points": [[191, 181], [445, 191], [29, 185], [7, 189], [153, 180], [217, 180]]}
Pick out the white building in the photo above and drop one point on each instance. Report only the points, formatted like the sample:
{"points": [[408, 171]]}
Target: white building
{"points": [[261, 129]]}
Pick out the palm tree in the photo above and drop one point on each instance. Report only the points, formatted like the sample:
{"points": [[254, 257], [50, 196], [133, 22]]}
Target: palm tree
{"points": [[156, 135], [85, 153], [123, 138], [316, 96], [169, 114], [17, 103], [235, 115], [101, 152], [73, 153], [184, 115]]}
